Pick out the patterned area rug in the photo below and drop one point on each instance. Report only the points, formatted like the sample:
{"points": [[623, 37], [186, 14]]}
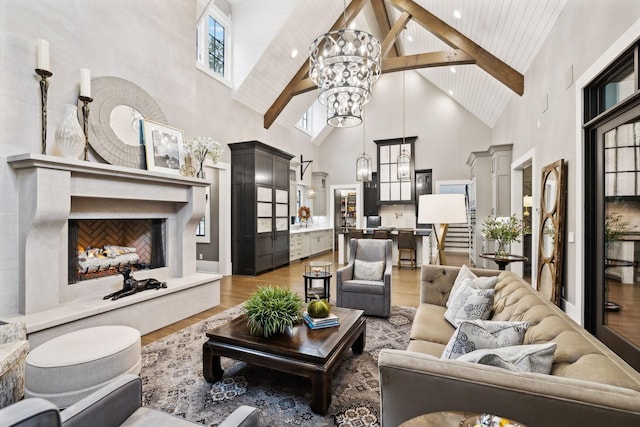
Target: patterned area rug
{"points": [[173, 382]]}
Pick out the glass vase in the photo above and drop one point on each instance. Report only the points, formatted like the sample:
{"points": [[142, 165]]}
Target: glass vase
{"points": [[69, 136], [200, 173], [503, 248]]}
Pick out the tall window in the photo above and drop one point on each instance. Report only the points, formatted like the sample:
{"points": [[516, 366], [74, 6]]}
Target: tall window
{"points": [[216, 46], [213, 43]]}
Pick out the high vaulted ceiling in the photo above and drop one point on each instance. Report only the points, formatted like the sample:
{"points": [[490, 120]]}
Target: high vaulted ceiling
{"points": [[497, 39]]}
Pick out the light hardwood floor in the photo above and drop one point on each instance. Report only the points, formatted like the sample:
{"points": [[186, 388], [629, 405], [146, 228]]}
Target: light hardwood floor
{"points": [[237, 289]]}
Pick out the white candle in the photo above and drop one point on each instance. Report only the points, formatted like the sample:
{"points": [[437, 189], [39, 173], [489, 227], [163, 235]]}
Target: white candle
{"points": [[42, 49], [85, 82]]}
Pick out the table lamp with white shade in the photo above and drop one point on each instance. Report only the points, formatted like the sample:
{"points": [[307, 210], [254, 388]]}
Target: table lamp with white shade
{"points": [[442, 209]]}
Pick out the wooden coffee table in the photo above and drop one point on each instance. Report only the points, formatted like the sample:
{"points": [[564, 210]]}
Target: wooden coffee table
{"points": [[313, 354]]}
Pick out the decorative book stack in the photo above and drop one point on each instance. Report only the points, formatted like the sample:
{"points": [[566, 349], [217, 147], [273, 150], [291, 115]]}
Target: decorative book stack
{"points": [[318, 323]]}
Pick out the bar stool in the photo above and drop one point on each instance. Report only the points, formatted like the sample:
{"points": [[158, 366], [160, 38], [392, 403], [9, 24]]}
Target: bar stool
{"points": [[406, 243], [381, 234], [356, 234]]}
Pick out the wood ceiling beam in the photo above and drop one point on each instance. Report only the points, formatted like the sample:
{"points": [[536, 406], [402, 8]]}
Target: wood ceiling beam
{"points": [[426, 60], [343, 21], [402, 63], [382, 19], [485, 60], [390, 40]]}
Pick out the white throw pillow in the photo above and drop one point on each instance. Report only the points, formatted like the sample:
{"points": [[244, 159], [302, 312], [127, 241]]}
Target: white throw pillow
{"points": [[474, 335], [536, 358], [467, 277], [368, 270], [469, 304]]}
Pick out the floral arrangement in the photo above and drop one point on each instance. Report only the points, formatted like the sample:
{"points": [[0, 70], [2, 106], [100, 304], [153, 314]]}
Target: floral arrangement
{"points": [[507, 229], [304, 213], [200, 148]]}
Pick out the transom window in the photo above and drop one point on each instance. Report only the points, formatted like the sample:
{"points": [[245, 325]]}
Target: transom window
{"points": [[616, 84], [213, 45]]}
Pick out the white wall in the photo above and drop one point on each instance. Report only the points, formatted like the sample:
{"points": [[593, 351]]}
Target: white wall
{"points": [[584, 30], [446, 132], [149, 43]]}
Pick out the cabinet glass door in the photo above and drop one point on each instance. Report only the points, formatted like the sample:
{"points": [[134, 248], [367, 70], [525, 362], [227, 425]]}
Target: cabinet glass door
{"points": [[265, 210]]}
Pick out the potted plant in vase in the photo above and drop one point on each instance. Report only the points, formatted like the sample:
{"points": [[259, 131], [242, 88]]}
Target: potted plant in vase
{"points": [[503, 230], [272, 310], [199, 149]]}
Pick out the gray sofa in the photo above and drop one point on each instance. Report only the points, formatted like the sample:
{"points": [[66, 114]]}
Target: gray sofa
{"points": [[589, 385], [119, 403]]}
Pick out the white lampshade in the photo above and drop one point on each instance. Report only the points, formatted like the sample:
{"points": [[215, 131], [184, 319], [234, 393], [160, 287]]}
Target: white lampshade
{"points": [[527, 201], [442, 209]]}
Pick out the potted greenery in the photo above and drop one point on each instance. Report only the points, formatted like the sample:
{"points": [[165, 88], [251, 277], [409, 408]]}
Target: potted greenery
{"points": [[504, 230], [271, 310]]}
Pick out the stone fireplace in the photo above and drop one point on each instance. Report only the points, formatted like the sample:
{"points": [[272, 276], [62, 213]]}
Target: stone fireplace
{"points": [[55, 195]]}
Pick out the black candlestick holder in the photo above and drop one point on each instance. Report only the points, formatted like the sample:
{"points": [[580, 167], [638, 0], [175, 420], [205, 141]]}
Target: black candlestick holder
{"points": [[44, 88], [86, 100]]}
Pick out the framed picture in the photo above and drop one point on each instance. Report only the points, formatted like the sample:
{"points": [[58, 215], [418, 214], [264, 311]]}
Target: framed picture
{"points": [[164, 147]]}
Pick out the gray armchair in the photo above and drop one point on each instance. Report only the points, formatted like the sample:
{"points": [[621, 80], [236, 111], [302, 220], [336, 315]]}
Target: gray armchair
{"points": [[117, 403], [365, 283]]}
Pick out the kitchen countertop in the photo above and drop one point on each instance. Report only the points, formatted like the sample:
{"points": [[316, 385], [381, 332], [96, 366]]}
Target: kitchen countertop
{"points": [[393, 231], [309, 229]]}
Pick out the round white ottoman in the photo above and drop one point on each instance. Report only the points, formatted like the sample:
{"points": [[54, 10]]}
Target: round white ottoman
{"points": [[67, 368]]}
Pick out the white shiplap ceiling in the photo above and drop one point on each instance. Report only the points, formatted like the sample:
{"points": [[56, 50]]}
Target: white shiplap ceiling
{"points": [[511, 30]]}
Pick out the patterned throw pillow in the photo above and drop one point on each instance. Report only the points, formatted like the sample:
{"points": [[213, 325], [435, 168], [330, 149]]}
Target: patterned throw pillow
{"points": [[469, 304], [474, 335], [466, 277], [536, 358], [365, 270]]}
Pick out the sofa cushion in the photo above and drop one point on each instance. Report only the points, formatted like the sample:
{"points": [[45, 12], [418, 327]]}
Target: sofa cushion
{"points": [[368, 270], [469, 304], [429, 324], [466, 277], [536, 358], [474, 335]]}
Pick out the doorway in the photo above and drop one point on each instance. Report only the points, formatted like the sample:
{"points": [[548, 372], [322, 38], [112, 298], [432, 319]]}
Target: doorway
{"points": [[613, 218], [346, 209]]}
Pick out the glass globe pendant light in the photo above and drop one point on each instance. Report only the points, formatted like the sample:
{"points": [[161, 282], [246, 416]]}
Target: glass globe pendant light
{"points": [[363, 162]]}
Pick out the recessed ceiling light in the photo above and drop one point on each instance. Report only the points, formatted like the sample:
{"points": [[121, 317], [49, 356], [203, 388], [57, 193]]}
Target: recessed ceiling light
{"points": [[452, 69], [352, 26], [450, 92], [294, 53], [457, 14]]}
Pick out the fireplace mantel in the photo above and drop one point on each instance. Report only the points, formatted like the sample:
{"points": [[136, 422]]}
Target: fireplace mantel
{"points": [[54, 189]]}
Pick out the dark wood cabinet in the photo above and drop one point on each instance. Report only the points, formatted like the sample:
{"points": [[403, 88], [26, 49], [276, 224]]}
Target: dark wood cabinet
{"points": [[370, 195], [259, 207]]}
